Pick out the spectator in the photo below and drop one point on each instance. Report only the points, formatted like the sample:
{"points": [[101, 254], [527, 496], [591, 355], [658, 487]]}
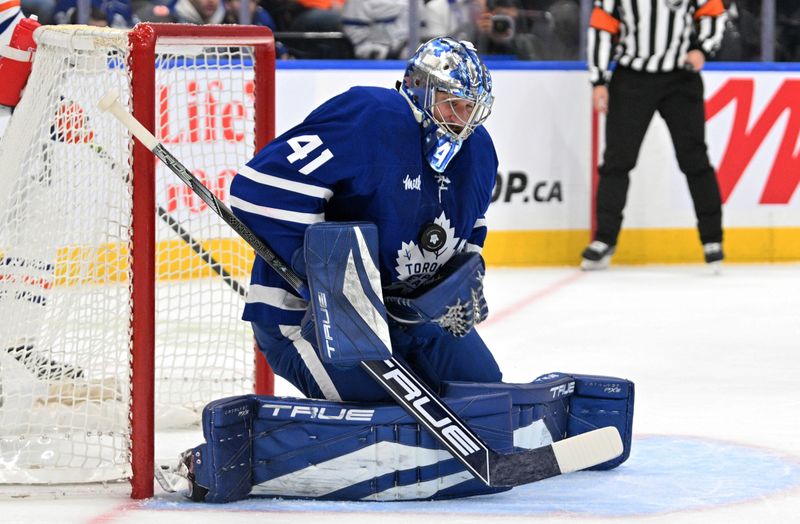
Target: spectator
{"points": [[200, 12], [283, 12], [787, 31], [318, 15], [378, 29], [103, 13], [497, 31], [258, 15], [543, 29], [297, 21]]}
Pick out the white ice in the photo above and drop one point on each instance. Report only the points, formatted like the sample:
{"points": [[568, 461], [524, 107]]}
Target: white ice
{"points": [[716, 362]]}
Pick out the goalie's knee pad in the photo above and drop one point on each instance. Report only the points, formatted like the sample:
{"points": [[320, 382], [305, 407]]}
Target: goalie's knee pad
{"points": [[558, 405], [338, 451]]}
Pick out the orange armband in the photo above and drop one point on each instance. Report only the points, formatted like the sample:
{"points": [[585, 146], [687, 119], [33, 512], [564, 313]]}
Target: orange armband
{"points": [[604, 22]]}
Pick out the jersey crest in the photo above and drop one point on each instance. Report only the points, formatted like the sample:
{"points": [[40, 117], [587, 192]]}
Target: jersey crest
{"points": [[418, 260]]}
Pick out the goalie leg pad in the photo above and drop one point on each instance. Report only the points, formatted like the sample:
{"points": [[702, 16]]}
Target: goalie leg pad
{"points": [[346, 296], [221, 469], [564, 405], [337, 450], [540, 408], [355, 451], [603, 401]]}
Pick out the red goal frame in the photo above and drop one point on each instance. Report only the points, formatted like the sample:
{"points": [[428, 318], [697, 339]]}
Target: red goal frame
{"points": [[142, 41]]}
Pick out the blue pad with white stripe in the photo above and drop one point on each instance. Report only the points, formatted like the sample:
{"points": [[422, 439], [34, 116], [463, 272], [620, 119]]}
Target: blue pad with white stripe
{"points": [[293, 447], [565, 405], [346, 297]]}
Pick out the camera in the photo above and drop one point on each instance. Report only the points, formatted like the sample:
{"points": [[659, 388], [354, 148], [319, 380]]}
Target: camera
{"points": [[502, 24]]}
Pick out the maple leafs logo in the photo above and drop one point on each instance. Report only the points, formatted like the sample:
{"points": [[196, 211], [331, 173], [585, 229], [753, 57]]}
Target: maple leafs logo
{"points": [[415, 265]]}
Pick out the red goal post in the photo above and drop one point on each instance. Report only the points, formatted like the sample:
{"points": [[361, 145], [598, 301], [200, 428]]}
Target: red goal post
{"points": [[120, 294], [143, 40]]}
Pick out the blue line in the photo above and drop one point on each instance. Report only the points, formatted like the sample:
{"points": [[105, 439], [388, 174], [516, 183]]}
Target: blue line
{"points": [[400, 65], [397, 65], [516, 65], [753, 66]]}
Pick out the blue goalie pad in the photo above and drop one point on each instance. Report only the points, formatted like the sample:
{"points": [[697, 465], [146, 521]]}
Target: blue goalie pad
{"points": [[566, 405], [346, 298], [599, 402], [540, 408], [291, 447], [222, 469]]}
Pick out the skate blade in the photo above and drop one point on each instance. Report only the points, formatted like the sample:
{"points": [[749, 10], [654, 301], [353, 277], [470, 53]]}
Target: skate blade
{"points": [[170, 480], [715, 267], [595, 265]]}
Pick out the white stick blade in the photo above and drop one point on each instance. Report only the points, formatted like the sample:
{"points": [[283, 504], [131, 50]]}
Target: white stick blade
{"points": [[105, 103], [110, 102], [588, 449]]}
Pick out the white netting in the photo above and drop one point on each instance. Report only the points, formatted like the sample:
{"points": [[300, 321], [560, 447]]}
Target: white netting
{"points": [[204, 116], [65, 216]]}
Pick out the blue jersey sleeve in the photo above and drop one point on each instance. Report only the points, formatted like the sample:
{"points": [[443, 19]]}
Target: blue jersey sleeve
{"points": [[285, 187]]}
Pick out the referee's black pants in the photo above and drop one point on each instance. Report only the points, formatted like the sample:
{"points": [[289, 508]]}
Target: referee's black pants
{"points": [[633, 99]]}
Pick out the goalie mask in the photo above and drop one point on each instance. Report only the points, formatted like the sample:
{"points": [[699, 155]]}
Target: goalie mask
{"points": [[450, 91]]}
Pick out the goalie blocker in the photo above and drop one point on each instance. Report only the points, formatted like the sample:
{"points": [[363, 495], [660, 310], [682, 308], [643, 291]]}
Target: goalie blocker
{"points": [[348, 319], [292, 447]]}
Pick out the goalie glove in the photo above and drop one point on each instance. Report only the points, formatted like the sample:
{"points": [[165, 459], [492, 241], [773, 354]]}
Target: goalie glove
{"points": [[453, 301]]}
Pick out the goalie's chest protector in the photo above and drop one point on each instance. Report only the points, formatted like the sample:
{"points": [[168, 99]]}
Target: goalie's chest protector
{"points": [[423, 217]]}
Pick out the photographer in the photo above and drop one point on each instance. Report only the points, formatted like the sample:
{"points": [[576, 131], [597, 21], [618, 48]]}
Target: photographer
{"points": [[499, 31]]}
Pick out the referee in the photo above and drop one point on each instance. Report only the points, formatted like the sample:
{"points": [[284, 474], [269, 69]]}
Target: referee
{"points": [[659, 47]]}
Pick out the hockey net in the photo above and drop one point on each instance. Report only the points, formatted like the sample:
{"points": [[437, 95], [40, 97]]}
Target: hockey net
{"points": [[115, 280]]}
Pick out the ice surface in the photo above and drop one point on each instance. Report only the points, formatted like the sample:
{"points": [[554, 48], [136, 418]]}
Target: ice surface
{"points": [[716, 361]]}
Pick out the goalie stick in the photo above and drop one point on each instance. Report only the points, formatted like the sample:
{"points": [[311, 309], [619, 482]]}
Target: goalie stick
{"points": [[493, 468], [71, 126], [41, 366], [110, 102]]}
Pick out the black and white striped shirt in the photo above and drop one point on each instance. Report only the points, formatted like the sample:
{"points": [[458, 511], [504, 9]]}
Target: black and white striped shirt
{"points": [[651, 35]]}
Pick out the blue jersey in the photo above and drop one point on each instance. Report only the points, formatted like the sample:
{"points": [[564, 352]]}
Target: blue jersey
{"points": [[359, 157]]}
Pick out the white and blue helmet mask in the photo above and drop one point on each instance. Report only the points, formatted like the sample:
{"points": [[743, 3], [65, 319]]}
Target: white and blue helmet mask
{"points": [[444, 65]]}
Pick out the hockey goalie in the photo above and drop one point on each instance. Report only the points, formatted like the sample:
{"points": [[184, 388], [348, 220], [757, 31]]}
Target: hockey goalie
{"points": [[378, 200]]}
